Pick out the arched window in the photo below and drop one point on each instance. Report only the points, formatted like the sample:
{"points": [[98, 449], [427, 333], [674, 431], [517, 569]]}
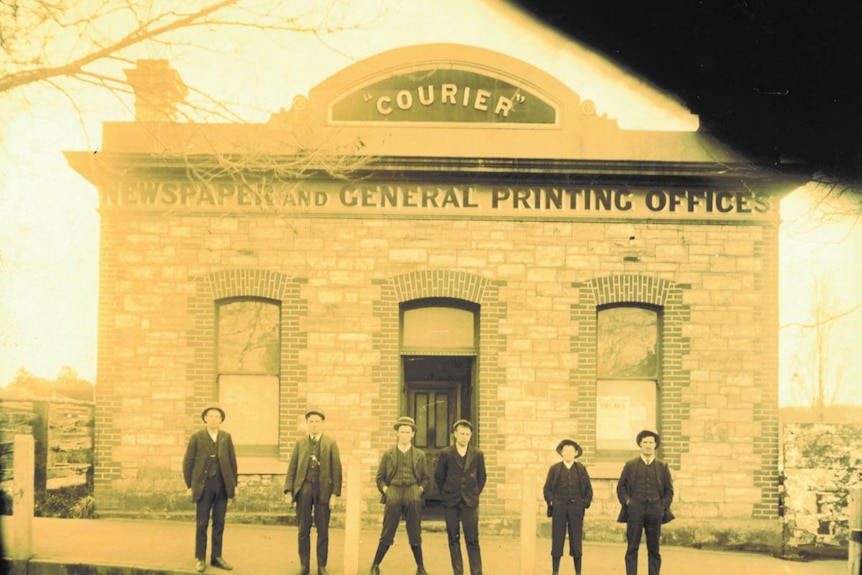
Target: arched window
{"points": [[627, 369], [249, 365]]}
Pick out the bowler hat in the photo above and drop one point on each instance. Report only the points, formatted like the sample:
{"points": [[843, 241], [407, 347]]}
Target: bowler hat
{"points": [[571, 442], [311, 412], [404, 420], [646, 433], [209, 406], [463, 422]]}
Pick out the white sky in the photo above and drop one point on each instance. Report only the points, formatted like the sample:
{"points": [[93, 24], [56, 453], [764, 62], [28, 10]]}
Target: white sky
{"points": [[817, 244], [48, 218]]}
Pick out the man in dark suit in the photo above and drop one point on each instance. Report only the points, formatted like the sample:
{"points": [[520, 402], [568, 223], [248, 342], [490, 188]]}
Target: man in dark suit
{"points": [[568, 493], [645, 491], [402, 479], [313, 483], [210, 473], [460, 477]]}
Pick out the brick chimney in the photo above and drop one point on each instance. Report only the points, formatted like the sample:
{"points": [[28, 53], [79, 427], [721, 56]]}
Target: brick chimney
{"points": [[158, 89]]}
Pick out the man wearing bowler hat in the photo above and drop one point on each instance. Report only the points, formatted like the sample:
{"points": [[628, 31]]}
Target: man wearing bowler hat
{"points": [[568, 493], [460, 477], [210, 473], [402, 479], [313, 484], [645, 491]]}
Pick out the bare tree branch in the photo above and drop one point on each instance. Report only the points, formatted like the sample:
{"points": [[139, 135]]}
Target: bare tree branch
{"points": [[824, 319], [148, 30]]}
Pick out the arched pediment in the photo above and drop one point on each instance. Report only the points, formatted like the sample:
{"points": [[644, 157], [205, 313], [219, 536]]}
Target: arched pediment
{"points": [[453, 100], [446, 84]]}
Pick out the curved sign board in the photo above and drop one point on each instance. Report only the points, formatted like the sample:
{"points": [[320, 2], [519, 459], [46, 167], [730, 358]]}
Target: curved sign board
{"points": [[444, 95]]}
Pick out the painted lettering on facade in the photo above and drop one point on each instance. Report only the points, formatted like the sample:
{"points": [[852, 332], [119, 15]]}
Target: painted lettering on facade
{"points": [[443, 95], [673, 201], [440, 200]]}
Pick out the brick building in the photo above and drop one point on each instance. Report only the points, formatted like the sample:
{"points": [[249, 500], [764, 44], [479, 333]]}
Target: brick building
{"points": [[445, 232]]}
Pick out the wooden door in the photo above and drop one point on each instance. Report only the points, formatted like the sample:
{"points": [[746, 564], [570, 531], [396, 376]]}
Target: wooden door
{"points": [[434, 406]]}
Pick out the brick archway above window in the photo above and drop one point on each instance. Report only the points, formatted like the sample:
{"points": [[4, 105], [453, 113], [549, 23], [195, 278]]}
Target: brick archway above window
{"points": [[249, 283], [632, 288], [440, 283]]}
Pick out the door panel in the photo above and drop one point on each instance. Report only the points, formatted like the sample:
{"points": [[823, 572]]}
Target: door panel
{"points": [[435, 409]]}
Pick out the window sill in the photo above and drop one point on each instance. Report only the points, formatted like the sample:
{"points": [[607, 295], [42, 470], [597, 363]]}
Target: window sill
{"points": [[606, 469], [261, 466]]}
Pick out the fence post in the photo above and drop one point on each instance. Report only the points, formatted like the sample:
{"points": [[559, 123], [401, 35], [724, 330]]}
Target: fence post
{"points": [[528, 521], [353, 519], [855, 545], [41, 427], [23, 469]]}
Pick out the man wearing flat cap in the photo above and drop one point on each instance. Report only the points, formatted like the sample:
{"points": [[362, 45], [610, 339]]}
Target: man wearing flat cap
{"points": [[460, 477], [313, 484], [210, 473], [402, 479], [568, 493], [645, 491]]}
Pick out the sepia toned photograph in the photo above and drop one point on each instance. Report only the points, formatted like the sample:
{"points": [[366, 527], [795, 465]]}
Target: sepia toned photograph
{"points": [[388, 287]]}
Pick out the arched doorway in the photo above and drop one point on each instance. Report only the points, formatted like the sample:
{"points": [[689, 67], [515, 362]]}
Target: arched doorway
{"points": [[439, 345]]}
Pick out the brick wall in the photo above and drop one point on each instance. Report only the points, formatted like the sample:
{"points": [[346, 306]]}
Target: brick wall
{"points": [[537, 284]]}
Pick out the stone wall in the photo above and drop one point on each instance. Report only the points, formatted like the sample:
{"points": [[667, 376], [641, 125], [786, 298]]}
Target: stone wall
{"points": [[70, 443], [822, 463], [63, 434], [340, 283]]}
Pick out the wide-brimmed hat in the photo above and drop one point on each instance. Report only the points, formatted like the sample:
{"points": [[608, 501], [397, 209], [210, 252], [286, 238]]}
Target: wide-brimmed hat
{"points": [[311, 412], [215, 406], [571, 442], [404, 420], [646, 433], [463, 422]]}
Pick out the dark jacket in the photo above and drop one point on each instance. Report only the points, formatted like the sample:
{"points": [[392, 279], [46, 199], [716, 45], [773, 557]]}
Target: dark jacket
{"points": [[389, 465], [552, 484], [459, 479], [626, 487], [197, 458], [330, 467]]}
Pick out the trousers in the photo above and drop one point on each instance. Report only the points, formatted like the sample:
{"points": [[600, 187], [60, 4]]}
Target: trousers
{"points": [[212, 502], [644, 517], [310, 509], [455, 517], [403, 502], [567, 516]]}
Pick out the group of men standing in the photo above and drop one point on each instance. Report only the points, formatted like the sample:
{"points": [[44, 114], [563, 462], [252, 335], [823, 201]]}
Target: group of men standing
{"points": [[644, 490], [314, 480], [402, 480]]}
